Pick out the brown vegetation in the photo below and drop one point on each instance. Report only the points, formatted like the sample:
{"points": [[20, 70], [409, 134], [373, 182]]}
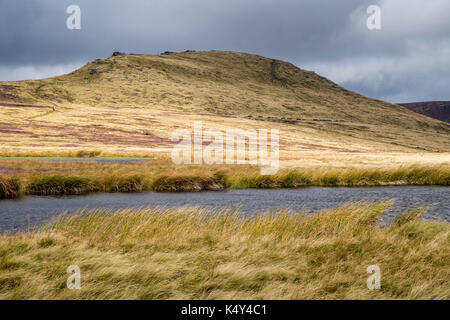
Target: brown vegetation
{"points": [[192, 253], [132, 103], [59, 178]]}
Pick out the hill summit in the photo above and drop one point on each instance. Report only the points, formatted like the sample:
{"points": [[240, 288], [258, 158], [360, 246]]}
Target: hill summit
{"points": [[220, 85]]}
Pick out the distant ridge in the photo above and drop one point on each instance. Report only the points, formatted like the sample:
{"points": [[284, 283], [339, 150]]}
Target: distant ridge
{"points": [[434, 109]]}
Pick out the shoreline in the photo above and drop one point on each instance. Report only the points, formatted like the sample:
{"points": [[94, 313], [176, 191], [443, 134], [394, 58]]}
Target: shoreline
{"points": [[188, 180]]}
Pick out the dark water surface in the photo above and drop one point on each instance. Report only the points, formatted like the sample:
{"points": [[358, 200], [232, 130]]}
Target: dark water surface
{"points": [[32, 210]]}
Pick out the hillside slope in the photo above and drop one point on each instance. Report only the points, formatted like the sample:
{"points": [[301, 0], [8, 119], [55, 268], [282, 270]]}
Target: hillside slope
{"points": [[132, 103], [434, 109]]}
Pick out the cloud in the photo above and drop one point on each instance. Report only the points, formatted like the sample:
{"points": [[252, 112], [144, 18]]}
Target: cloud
{"points": [[35, 72], [407, 60]]}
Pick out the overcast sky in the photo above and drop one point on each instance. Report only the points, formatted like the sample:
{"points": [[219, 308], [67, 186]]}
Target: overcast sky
{"points": [[407, 60]]}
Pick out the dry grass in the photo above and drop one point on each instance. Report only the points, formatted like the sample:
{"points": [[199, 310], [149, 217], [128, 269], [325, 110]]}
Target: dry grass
{"points": [[58, 178], [9, 188], [189, 253]]}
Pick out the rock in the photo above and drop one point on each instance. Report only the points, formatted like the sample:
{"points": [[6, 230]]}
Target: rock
{"points": [[100, 61]]}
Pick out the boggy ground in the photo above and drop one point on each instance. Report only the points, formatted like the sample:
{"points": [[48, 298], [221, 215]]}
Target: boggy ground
{"points": [[190, 254]]}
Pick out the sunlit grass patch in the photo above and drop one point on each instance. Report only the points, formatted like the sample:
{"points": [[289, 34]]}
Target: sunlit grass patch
{"points": [[60, 185], [355, 177], [194, 253]]}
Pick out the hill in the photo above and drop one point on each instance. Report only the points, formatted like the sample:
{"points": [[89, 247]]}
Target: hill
{"points": [[434, 109], [130, 104]]}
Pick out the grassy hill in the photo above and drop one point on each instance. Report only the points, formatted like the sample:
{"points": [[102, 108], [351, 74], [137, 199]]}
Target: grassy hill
{"points": [[130, 104]]}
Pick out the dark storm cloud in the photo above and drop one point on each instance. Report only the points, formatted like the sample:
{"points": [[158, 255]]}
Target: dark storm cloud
{"points": [[406, 60], [36, 30]]}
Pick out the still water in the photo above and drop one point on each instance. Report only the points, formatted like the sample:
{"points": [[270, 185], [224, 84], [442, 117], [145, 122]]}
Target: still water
{"points": [[32, 211]]}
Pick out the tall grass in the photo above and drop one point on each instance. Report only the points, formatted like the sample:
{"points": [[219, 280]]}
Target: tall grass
{"points": [[10, 188], [84, 178], [412, 175], [60, 185], [192, 253], [76, 185], [126, 183], [186, 183]]}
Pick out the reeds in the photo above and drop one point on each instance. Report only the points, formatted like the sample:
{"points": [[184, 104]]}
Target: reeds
{"points": [[9, 188], [60, 185], [186, 184], [355, 177], [194, 253], [136, 178]]}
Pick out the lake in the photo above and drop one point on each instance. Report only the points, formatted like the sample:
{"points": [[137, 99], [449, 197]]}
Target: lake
{"points": [[31, 211]]}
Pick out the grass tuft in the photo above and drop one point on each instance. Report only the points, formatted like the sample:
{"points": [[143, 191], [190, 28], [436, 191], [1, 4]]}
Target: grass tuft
{"points": [[10, 188], [186, 184], [60, 185]]}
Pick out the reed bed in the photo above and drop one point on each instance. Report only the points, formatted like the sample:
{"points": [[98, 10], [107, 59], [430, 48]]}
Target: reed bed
{"points": [[355, 177], [36, 178], [193, 253]]}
